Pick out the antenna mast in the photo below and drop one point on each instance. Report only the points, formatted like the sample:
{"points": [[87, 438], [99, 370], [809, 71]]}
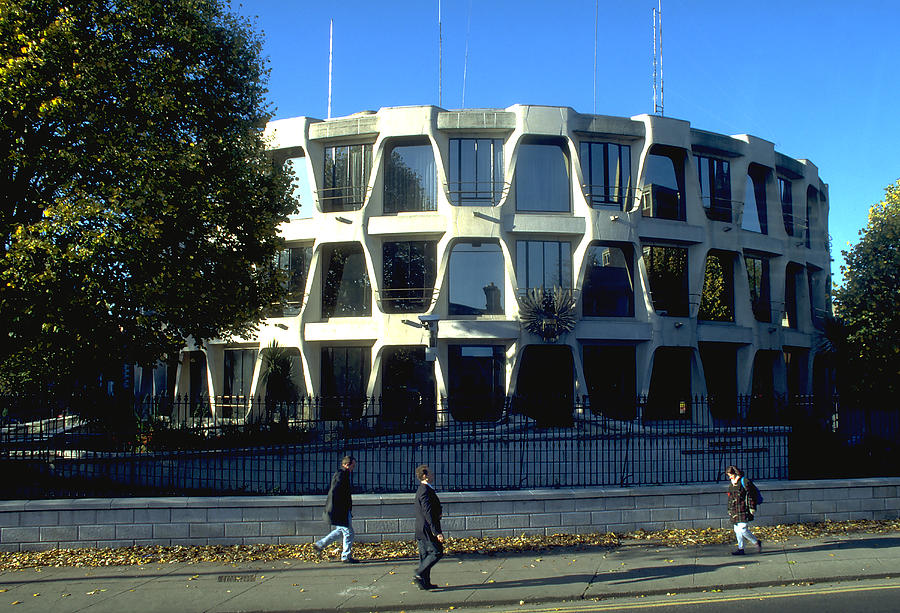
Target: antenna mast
{"points": [[657, 61], [440, 55], [330, 46], [466, 60], [596, 21]]}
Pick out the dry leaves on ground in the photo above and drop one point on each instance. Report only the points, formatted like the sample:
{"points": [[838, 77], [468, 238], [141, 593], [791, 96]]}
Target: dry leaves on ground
{"points": [[388, 550]]}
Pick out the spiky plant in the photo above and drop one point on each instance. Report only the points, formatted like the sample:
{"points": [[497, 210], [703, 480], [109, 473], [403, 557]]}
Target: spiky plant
{"points": [[548, 313]]}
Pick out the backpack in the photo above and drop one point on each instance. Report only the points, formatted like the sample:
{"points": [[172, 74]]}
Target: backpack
{"points": [[753, 491]]}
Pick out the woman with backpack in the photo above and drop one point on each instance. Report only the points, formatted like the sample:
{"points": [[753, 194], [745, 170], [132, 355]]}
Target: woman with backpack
{"points": [[742, 500]]}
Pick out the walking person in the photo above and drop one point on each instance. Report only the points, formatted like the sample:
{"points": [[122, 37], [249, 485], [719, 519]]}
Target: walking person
{"points": [[429, 536], [741, 508], [338, 507]]}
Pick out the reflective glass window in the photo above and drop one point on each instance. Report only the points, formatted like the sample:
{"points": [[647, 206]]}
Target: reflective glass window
{"points": [[302, 189], [787, 205], [476, 171], [346, 291], [715, 187], [667, 271], [544, 264], [542, 178], [663, 195], [408, 276], [239, 366], [606, 168], [410, 179], [717, 298], [608, 289], [758, 279], [294, 263], [476, 279], [347, 169]]}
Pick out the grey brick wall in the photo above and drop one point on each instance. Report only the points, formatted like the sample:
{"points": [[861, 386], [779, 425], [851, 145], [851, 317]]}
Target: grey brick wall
{"points": [[49, 524]]}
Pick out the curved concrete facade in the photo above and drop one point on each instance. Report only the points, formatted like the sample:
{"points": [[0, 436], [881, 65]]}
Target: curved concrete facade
{"points": [[695, 260]]}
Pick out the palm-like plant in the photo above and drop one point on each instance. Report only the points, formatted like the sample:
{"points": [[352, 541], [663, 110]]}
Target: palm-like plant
{"points": [[277, 374]]}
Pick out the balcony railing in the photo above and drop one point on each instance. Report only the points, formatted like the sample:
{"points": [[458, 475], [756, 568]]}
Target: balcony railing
{"points": [[343, 198], [662, 202], [603, 196], [477, 193]]}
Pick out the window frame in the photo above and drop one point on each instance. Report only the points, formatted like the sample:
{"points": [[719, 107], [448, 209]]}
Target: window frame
{"points": [[329, 303], [587, 290], [405, 203], [347, 192], [406, 294], [496, 181], [533, 205], [588, 149], [524, 264], [682, 301], [714, 178]]}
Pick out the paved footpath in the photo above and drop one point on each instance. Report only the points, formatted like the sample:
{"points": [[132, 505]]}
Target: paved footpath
{"points": [[632, 569]]}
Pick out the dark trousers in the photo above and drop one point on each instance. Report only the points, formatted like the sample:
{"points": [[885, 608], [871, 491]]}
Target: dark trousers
{"points": [[429, 554]]}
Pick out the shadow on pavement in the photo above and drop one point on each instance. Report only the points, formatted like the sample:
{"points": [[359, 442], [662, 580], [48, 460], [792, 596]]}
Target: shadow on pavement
{"points": [[543, 581], [656, 573]]}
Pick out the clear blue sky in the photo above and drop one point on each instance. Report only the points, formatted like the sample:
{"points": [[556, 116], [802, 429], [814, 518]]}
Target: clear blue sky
{"points": [[816, 77]]}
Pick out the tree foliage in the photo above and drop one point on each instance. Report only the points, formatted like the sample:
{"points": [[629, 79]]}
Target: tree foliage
{"points": [[137, 204], [867, 302]]}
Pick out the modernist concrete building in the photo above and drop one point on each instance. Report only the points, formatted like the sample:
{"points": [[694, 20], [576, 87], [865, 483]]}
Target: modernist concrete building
{"points": [[687, 262]]}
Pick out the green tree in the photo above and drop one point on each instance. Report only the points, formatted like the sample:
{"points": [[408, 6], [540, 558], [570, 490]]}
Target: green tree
{"points": [[867, 302], [137, 204]]}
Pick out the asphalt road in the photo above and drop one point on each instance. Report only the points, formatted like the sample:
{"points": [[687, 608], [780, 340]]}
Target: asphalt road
{"points": [[870, 596]]}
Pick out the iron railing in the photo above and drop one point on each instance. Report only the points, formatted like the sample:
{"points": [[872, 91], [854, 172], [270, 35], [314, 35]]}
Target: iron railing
{"points": [[186, 447]]}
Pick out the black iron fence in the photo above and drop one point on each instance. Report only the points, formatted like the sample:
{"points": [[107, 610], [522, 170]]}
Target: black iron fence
{"points": [[206, 446]]}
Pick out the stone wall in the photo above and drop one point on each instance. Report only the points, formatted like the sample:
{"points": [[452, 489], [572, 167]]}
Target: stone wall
{"points": [[117, 522]]}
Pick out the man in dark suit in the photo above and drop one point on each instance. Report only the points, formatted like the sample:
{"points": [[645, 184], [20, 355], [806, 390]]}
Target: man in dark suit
{"points": [[338, 507], [429, 536]]}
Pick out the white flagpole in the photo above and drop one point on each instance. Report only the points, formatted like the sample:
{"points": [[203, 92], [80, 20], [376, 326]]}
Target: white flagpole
{"points": [[330, 47]]}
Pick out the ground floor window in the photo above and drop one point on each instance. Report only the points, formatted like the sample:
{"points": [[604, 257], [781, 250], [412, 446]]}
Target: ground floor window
{"points": [[720, 371], [544, 387], [476, 388], [609, 371], [670, 384], [345, 377], [796, 362], [407, 387], [763, 402]]}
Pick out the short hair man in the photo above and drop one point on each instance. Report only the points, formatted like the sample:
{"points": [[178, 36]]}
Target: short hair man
{"points": [[338, 507], [429, 536]]}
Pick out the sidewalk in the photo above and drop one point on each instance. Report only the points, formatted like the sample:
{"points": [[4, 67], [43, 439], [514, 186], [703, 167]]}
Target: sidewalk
{"points": [[632, 569]]}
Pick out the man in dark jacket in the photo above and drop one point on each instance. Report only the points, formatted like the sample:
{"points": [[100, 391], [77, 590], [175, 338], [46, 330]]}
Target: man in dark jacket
{"points": [[338, 507], [429, 536], [741, 508]]}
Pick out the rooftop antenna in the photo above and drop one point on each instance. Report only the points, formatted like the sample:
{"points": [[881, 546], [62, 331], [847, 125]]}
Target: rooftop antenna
{"points": [[466, 60], [440, 55], [596, 20], [657, 61], [330, 47]]}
